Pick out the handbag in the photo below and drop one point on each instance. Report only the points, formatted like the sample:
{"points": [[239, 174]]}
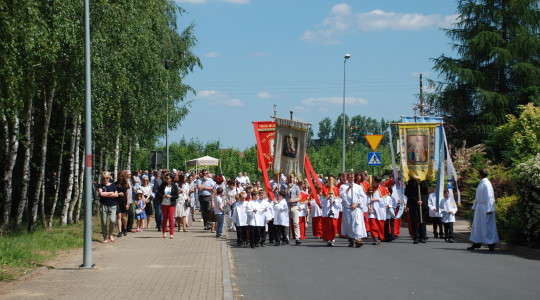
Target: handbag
{"points": [[138, 211], [187, 203]]}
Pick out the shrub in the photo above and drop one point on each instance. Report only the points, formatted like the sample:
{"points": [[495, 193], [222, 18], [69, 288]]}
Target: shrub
{"points": [[528, 176], [508, 219]]}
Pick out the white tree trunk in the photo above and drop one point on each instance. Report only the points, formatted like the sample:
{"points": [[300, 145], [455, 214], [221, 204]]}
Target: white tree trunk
{"points": [[69, 192], [42, 207], [116, 156], [40, 182], [128, 164], [58, 175], [76, 164], [80, 193], [12, 143], [27, 146]]}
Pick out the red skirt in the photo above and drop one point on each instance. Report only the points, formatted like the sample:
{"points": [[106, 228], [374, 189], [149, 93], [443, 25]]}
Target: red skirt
{"points": [[316, 224], [329, 228]]}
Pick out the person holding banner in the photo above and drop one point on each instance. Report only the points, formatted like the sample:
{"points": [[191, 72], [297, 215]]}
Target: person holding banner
{"points": [[417, 194], [352, 226], [484, 230], [292, 192]]}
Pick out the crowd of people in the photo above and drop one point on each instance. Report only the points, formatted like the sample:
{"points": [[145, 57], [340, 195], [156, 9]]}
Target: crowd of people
{"points": [[354, 206]]}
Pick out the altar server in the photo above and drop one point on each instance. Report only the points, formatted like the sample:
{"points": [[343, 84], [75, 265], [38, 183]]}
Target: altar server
{"points": [[256, 220], [379, 202], [240, 218], [352, 196], [448, 212], [281, 219], [331, 208]]}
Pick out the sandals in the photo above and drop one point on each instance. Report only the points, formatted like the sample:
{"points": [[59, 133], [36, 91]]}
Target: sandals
{"points": [[112, 239], [171, 237], [164, 235], [104, 241]]}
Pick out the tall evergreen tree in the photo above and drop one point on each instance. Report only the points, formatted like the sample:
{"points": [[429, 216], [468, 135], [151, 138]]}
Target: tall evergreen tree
{"points": [[498, 68]]}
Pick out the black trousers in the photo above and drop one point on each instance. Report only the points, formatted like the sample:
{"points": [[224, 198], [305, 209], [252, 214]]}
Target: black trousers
{"points": [[280, 233], [389, 229], [204, 201], [241, 234], [271, 230], [256, 234], [437, 224], [130, 217], [419, 229], [448, 230]]}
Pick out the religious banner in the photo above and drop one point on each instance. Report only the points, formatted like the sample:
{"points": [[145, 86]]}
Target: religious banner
{"points": [[290, 146], [418, 150], [265, 132]]}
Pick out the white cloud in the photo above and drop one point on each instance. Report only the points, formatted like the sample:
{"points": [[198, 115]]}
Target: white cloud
{"points": [[218, 98], [338, 20], [299, 108], [322, 101], [342, 20], [264, 95], [213, 54]]}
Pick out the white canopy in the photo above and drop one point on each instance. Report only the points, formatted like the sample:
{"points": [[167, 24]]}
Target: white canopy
{"points": [[203, 161]]}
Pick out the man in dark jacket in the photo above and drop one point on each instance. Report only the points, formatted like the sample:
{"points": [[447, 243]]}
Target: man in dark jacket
{"points": [[418, 207], [158, 180]]}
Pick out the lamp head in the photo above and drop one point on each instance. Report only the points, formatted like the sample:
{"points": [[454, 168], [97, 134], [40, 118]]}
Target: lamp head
{"points": [[347, 56]]}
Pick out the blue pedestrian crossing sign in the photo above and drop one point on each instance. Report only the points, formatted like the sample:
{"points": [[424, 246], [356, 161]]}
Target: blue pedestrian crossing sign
{"points": [[374, 159]]}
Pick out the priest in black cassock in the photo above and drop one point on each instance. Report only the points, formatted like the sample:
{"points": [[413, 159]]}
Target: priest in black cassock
{"points": [[417, 204]]}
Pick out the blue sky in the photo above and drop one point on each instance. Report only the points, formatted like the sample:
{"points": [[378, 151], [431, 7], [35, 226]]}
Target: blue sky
{"points": [[257, 53]]}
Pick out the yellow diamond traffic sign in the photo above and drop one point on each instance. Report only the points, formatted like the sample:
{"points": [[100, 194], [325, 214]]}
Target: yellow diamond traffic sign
{"points": [[374, 140]]}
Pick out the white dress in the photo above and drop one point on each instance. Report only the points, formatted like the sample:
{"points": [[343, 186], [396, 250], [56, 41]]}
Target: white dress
{"points": [[181, 209], [352, 224], [484, 228]]}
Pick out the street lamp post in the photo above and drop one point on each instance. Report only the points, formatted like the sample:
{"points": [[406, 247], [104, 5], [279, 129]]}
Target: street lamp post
{"points": [[347, 56], [88, 180], [167, 67]]}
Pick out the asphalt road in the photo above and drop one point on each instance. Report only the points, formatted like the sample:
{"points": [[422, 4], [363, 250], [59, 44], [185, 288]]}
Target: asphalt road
{"points": [[435, 270]]}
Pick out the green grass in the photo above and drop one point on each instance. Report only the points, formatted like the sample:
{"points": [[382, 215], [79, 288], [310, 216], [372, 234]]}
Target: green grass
{"points": [[20, 253]]}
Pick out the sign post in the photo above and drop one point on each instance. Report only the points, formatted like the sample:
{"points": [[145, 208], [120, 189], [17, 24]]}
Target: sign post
{"points": [[374, 158]]}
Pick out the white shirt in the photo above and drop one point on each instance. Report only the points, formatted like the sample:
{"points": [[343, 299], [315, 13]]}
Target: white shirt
{"points": [[316, 211], [239, 215], [281, 213], [448, 205], [327, 206], [379, 207], [432, 201], [217, 202], [167, 201], [256, 213]]}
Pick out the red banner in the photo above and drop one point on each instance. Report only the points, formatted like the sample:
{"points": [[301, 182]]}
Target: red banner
{"points": [[312, 176], [264, 133]]}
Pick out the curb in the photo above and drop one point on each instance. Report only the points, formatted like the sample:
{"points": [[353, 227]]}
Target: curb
{"points": [[227, 285]]}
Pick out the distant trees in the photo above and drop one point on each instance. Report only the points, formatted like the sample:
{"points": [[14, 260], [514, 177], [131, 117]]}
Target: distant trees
{"points": [[42, 95], [497, 68]]}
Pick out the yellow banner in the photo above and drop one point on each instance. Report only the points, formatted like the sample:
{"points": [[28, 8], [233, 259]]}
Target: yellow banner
{"points": [[417, 147]]}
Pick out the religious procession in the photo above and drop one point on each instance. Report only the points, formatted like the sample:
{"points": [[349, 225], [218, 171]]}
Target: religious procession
{"points": [[354, 206]]}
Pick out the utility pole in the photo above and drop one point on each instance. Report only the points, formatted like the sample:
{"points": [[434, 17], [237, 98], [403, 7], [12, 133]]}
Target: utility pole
{"points": [[421, 98], [351, 128]]}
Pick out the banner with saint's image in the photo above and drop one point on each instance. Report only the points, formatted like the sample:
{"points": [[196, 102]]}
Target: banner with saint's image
{"points": [[290, 146], [418, 150]]}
